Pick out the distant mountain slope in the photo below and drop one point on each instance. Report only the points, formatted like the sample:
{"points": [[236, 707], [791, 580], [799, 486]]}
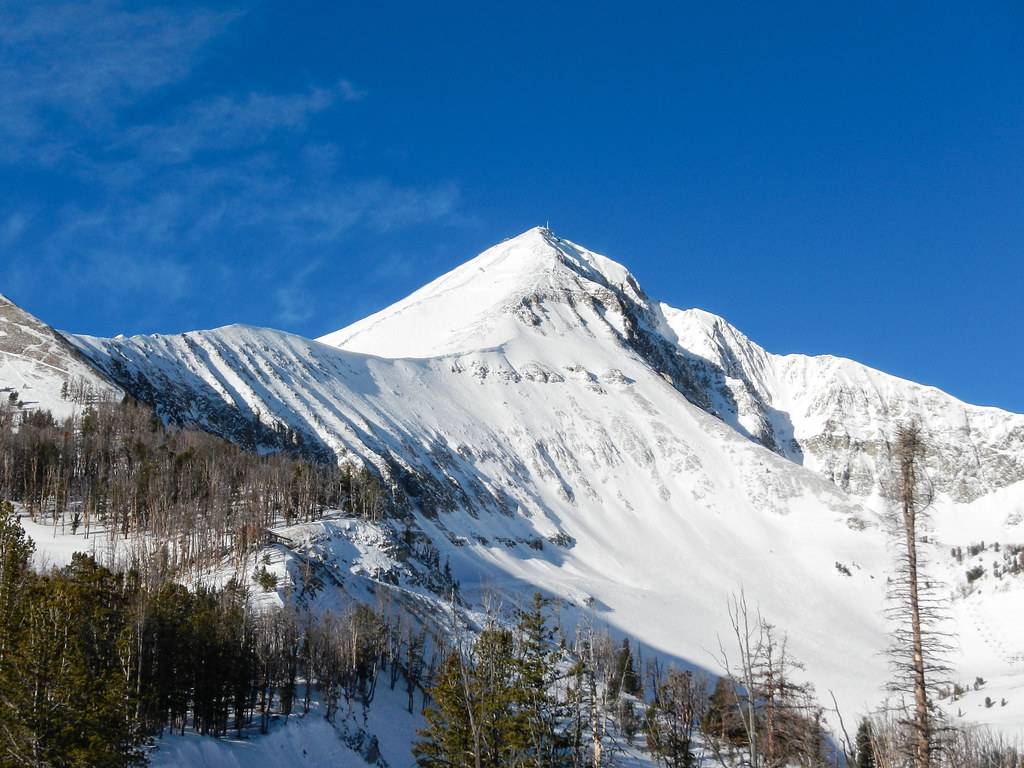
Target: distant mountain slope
{"points": [[549, 450], [841, 413], [36, 362]]}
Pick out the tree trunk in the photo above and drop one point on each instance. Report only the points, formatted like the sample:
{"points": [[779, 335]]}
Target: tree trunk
{"points": [[909, 445]]}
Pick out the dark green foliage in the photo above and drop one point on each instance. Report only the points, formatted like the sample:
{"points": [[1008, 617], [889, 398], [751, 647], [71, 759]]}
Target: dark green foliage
{"points": [[266, 580], [474, 721], [494, 705], [15, 584], [66, 691], [537, 657], [625, 678], [96, 663], [451, 738], [15, 551], [865, 751]]}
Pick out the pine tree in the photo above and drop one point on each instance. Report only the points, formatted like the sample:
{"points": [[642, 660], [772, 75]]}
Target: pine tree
{"points": [[495, 706], [473, 722], [865, 746], [625, 679], [16, 586], [15, 552], [68, 673], [536, 704]]}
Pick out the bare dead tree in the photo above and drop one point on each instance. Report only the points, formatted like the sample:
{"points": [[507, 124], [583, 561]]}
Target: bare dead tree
{"points": [[748, 633], [919, 645], [596, 653], [781, 721]]}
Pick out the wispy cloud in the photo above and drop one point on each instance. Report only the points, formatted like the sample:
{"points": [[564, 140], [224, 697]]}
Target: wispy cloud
{"points": [[292, 298], [81, 62], [180, 196], [13, 226], [234, 122]]}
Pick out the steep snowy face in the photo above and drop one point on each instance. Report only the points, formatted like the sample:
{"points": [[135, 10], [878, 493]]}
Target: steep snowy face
{"points": [[832, 415], [534, 280], [542, 299], [840, 415], [42, 368]]}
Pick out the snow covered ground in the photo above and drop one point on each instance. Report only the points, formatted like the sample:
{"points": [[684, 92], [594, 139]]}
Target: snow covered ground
{"points": [[355, 739]]}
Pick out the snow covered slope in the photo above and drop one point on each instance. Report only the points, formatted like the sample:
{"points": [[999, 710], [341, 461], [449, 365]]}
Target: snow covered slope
{"points": [[841, 413], [484, 302], [832, 414], [36, 362], [553, 427]]}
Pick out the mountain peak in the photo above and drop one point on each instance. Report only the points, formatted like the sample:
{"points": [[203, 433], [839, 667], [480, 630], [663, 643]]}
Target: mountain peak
{"points": [[483, 302]]}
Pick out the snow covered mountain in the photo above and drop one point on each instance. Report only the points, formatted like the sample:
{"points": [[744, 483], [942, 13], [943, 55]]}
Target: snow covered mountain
{"points": [[839, 413], [554, 427], [42, 368]]}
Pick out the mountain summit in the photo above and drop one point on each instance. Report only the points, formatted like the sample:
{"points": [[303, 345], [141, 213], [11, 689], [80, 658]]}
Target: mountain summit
{"points": [[485, 301]]}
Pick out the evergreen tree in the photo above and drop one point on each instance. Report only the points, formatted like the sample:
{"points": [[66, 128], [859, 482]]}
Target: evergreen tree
{"points": [[451, 737], [720, 721], [15, 552], [67, 675], [865, 746], [474, 722], [495, 706], [625, 678], [16, 743], [537, 706]]}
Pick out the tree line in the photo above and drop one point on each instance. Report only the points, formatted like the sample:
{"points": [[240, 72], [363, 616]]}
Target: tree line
{"points": [[117, 471]]}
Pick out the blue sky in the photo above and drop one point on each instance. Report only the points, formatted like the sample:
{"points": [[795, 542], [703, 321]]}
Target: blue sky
{"points": [[841, 178]]}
